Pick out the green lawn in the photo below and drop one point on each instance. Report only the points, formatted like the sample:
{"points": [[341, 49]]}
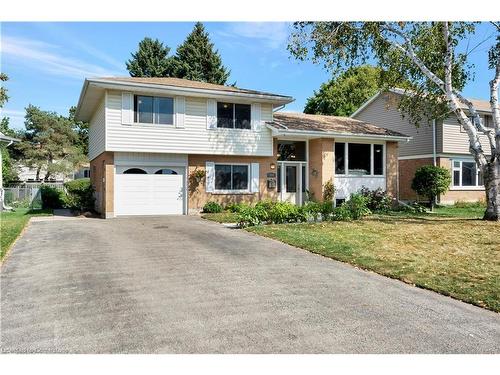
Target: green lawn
{"points": [[12, 223], [449, 251], [222, 217]]}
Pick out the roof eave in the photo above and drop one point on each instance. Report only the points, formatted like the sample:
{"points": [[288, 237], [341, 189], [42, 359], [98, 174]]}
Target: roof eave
{"points": [[276, 99], [330, 134]]}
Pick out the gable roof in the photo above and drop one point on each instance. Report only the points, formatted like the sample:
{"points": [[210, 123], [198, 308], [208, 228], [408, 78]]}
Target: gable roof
{"points": [[93, 89], [479, 104], [301, 123]]}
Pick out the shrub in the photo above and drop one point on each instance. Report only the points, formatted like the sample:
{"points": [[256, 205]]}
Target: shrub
{"points": [[430, 181], [212, 208], [283, 212], [341, 213], [79, 195], [357, 206], [328, 191], [236, 207], [51, 197], [250, 216], [266, 204], [378, 200]]}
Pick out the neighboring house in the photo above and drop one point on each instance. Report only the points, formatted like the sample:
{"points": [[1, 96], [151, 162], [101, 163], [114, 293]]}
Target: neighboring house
{"points": [[444, 143], [168, 146], [27, 174]]}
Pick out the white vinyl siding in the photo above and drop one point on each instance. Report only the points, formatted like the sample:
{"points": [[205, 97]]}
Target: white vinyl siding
{"points": [[384, 113], [456, 140], [193, 138], [97, 132]]}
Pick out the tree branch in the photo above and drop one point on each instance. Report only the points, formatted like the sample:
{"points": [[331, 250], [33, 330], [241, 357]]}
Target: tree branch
{"points": [[451, 94], [495, 107]]}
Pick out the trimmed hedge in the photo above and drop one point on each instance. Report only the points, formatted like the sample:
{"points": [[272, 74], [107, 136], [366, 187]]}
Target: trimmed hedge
{"points": [[79, 195]]}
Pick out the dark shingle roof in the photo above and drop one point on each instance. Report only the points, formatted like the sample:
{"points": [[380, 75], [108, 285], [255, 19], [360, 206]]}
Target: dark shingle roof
{"points": [[330, 124]]}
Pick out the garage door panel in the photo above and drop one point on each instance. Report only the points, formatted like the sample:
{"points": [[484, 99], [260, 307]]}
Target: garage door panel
{"points": [[149, 194]]}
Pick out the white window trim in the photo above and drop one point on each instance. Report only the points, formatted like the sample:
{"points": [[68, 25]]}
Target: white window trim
{"points": [[153, 124], [239, 191], [459, 169], [234, 117], [372, 161]]}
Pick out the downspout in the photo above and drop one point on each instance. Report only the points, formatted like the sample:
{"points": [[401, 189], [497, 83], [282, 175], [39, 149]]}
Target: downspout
{"points": [[434, 158]]}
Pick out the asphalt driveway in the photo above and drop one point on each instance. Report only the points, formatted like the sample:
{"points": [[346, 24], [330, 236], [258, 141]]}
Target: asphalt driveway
{"points": [[184, 285]]}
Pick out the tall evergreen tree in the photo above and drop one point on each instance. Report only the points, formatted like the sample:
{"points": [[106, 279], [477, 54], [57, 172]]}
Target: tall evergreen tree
{"points": [[196, 59], [150, 60]]}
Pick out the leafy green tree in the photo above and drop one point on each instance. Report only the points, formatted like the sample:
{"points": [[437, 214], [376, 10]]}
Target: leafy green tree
{"points": [[197, 60], [344, 94], [82, 132], [50, 143], [426, 56], [430, 181], [9, 172], [3, 91], [150, 60]]}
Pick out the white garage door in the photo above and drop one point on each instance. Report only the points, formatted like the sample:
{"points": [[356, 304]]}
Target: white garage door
{"points": [[149, 194]]}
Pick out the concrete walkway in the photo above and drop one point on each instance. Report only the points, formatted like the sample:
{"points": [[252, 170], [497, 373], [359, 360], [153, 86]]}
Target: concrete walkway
{"points": [[183, 285]]}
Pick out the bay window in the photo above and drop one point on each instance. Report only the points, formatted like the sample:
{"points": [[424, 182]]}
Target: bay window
{"points": [[231, 177], [466, 174], [233, 116], [153, 110], [359, 159]]}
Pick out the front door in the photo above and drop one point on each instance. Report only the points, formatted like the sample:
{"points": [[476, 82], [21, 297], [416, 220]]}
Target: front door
{"points": [[290, 182]]}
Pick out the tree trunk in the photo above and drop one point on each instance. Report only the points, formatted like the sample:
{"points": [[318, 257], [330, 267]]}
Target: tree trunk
{"points": [[37, 177], [492, 188]]}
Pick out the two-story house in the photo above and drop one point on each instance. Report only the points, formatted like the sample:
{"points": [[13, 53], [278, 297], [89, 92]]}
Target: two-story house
{"points": [[167, 146], [444, 143]]}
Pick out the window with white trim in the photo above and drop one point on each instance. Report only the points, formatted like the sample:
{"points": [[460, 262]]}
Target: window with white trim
{"points": [[359, 159], [153, 110], [466, 174], [234, 116], [232, 177]]}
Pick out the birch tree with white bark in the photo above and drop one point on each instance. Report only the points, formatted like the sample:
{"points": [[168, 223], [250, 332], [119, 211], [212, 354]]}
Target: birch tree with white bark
{"points": [[425, 60]]}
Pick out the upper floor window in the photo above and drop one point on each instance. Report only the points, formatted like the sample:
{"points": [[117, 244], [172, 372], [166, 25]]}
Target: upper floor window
{"points": [[153, 110], [359, 159], [465, 174], [233, 116], [291, 151]]}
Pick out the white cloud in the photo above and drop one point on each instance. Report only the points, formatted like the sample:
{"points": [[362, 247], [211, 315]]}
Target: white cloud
{"points": [[48, 58], [273, 34]]}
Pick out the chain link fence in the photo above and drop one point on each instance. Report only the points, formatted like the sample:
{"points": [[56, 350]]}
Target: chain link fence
{"points": [[26, 195]]}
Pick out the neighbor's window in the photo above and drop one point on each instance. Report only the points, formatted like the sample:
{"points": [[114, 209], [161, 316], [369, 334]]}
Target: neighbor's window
{"points": [[154, 110], [359, 155], [360, 159], [233, 116], [466, 174], [231, 177]]}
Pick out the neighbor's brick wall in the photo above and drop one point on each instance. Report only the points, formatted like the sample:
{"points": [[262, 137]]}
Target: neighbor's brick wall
{"points": [[451, 196], [198, 197], [407, 169], [102, 178], [391, 161], [321, 164]]}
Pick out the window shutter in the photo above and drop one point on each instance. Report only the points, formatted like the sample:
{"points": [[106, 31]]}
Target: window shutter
{"points": [[211, 114], [255, 116], [127, 108], [254, 187], [210, 176], [180, 111]]}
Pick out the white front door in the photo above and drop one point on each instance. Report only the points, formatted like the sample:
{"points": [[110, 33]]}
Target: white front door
{"points": [[291, 181], [149, 194]]}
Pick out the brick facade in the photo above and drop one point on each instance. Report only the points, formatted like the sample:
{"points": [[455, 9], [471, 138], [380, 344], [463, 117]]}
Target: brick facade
{"points": [[407, 169], [392, 150], [321, 165], [102, 177]]}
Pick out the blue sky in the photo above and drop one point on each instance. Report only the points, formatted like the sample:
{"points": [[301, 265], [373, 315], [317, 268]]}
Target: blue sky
{"points": [[47, 62]]}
